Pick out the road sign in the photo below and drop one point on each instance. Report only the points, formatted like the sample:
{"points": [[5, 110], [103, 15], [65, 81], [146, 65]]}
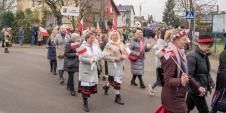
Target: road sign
{"points": [[190, 14], [70, 11]]}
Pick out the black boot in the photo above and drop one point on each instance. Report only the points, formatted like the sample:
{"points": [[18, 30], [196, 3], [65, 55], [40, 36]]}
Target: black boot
{"points": [[118, 100], [61, 72], [85, 101], [141, 82], [6, 50], [133, 83], [73, 93], [106, 89]]}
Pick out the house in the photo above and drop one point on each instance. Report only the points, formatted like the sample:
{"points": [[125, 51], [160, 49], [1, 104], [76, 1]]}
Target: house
{"points": [[127, 16], [139, 21], [102, 11]]}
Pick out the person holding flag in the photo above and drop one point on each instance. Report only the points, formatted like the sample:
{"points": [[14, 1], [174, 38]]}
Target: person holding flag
{"points": [[176, 79], [89, 54], [114, 53], [61, 39], [71, 61]]}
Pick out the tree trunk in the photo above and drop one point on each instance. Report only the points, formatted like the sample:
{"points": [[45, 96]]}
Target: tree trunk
{"points": [[59, 20]]}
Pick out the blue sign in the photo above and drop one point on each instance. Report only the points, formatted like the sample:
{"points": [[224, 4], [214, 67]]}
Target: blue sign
{"points": [[190, 15]]}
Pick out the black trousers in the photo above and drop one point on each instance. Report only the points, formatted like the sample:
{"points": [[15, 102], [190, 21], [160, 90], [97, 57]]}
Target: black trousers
{"points": [[70, 82], [197, 101], [53, 65]]}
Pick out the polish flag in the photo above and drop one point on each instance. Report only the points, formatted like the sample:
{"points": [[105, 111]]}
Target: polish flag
{"points": [[106, 25], [97, 26], [75, 45], [127, 51], [168, 52], [80, 26], [43, 31], [81, 51], [113, 25]]}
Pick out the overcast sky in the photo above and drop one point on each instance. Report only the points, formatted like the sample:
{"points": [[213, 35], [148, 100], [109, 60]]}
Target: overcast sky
{"points": [[156, 7]]}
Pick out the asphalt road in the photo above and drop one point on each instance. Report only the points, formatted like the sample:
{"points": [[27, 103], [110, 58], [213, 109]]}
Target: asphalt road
{"points": [[27, 86]]}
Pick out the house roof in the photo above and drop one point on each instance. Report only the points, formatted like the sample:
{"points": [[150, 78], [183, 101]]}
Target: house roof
{"points": [[126, 7], [115, 7]]}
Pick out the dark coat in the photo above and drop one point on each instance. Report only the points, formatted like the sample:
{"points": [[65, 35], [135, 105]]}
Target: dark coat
{"points": [[221, 74], [51, 49], [71, 60], [137, 68], [173, 93], [199, 69]]}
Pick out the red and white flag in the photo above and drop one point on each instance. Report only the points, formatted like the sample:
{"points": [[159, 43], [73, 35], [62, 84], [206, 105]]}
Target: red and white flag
{"points": [[127, 51], [75, 45], [168, 52], [113, 25], [80, 26], [43, 31], [81, 51], [97, 26]]}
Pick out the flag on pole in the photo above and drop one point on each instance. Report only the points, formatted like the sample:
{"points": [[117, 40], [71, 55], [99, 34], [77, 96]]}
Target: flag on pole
{"points": [[168, 52], [81, 51], [113, 25], [75, 45], [97, 26], [43, 31], [80, 26], [106, 25]]}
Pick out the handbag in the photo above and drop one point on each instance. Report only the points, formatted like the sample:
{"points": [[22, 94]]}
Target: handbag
{"points": [[161, 109], [221, 104], [60, 54], [133, 58]]}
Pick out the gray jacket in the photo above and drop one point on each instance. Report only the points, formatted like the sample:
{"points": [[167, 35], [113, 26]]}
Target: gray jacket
{"points": [[87, 69], [137, 68]]}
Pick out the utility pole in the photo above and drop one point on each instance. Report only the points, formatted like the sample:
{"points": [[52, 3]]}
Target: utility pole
{"points": [[140, 10]]}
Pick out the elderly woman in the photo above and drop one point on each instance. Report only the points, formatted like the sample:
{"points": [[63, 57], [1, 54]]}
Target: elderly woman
{"points": [[88, 77], [51, 46], [176, 80], [221, 80], [114, 54], [61, 39], [138, 49], [71, 61]]}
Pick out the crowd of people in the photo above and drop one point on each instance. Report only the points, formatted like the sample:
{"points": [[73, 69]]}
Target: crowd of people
{"points": [[184, 77]]}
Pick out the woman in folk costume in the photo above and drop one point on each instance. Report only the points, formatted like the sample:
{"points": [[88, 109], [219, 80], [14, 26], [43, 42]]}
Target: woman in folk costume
{"points": [[114, 53], [176, 80], [51, 46], [61, 39], [88, 77], [138, 48]]}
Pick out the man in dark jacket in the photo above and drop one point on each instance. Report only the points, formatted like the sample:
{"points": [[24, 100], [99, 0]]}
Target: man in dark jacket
{"points": [[199, 69]]}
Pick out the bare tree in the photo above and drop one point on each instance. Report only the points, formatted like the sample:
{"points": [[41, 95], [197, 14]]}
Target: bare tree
{"points": [[8, 4], [56, 5]]}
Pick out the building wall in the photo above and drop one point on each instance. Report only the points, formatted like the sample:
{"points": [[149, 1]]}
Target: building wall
{"points": [[132, 22], [24, 4]]}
